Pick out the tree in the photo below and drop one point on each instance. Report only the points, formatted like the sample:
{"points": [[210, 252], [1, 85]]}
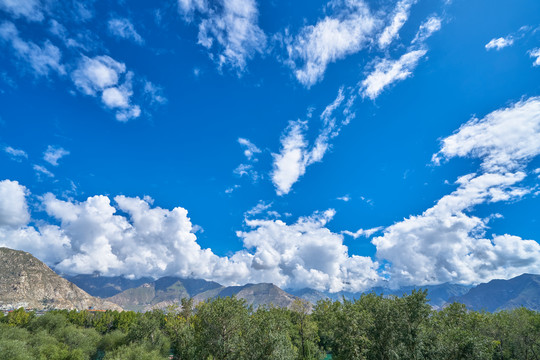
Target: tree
{"points": [[305, 334], [268, 335], [220, 326]]}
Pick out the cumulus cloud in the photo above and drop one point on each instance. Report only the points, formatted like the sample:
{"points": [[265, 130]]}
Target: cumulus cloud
{"points": [[228, 29], [504, 140], [42, 59], [500, 43], [53, 154], [13, 207], [535, 53], [296, 155], [399, 18], [446, 243], [124, 29], [102, 76], [16, 154], [346, 32], [305, 254], [29, 9], [129, 236]]}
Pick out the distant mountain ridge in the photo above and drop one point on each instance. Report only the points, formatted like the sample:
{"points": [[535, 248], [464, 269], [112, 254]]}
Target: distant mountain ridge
{"points": [[161, 293], [523, 290], [27, 282]]}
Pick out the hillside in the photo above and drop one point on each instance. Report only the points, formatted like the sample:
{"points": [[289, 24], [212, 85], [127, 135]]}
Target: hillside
{"points": [[106, 286], [523, 290], [27, 282], [161, 293], [254, 294]]}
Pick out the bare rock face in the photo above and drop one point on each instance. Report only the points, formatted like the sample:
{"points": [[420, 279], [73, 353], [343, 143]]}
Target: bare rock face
{"points": [[27, 282]]}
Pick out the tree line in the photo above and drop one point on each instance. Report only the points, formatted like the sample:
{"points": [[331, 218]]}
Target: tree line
{"points": [[371, 327]]}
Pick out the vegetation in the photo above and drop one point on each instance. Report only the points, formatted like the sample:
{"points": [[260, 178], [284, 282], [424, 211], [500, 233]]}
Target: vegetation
{"points": [[372, 327]]}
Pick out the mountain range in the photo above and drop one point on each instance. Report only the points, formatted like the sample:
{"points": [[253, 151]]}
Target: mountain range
{"points": [[25, 281]]}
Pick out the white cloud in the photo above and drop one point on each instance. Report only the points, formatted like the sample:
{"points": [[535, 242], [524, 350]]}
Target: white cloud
{"points": [[42, 170], [102, 75], [29, 9], [535, 53], [345, 198], [331, 39], [113, 97], [399, 18], [13, 207], [124, 29], [131, 237], [42, 60], [290, 164], [188, 7], [295, 154], [53, 154], [16, 154], [96, 74], [228, 30], [258, 209], [249, 148], [367, 233], [154, 93], [305, 254], [247, 170], [387, 72], [427, 29], [445, 243], [500, 43], [504, 140]]}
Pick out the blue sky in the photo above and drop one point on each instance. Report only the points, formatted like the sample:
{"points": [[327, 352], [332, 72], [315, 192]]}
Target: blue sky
{"points": [[336, 145]]}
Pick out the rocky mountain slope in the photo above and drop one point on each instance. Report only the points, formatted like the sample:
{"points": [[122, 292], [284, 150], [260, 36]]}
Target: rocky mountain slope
{"points": [[27, 282], [254, 294], [523, 290], [161, 293]]}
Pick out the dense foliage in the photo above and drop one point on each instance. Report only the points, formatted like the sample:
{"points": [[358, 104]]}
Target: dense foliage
{"points": [[372, 327]]}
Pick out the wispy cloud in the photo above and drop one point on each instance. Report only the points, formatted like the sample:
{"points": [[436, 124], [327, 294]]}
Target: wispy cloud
{"points": [[53, 154], [346, 32], [228, 29], [42, 171], [386, 71], [500, 43], [535, 53], [249, 148], [124, 29], [42, 59], [29, 9], [399, 18], [16, 154], [296, 154]]}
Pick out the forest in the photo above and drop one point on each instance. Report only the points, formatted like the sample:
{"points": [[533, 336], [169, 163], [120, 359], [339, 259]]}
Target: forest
{"points": [[371, 327]]}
